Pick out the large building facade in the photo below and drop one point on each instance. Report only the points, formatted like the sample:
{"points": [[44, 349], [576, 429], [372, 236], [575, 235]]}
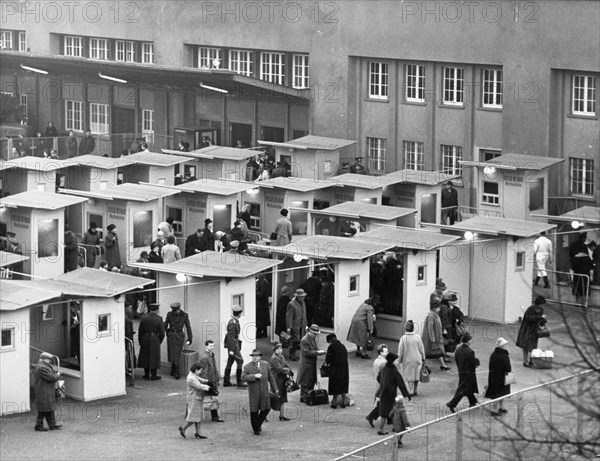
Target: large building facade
{"points": [[419, 85]]}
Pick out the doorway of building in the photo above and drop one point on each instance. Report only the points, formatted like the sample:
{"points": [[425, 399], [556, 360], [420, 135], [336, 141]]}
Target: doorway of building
{"points": [[123, 122], [240, 132]]}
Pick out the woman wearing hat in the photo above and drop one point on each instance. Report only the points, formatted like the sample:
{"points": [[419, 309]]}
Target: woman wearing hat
{"points": [[411, 355], [45, 399], [111, 242], [282, 372], [339, 374], [390, 381], [533, 319], [433, 340], [499, 368]]}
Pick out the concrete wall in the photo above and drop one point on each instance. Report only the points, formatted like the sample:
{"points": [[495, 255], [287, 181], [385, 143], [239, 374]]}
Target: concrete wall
{"points": [[416, 293], [455, 261], [15, 364]]}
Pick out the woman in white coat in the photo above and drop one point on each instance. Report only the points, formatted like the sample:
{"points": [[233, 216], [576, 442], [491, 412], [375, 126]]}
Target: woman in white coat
{"points": [[411, 355], [195, 400]]}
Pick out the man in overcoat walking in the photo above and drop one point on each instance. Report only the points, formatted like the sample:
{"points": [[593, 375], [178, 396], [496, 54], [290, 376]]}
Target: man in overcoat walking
{"points": [[150, 335], [467, 379], [210, 371], [307, 368], [45, 399], [175, 322], [295, 320], [258, 375]]}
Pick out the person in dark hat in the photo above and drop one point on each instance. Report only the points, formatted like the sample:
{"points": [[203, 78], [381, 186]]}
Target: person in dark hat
{"points": [[175, 322], [312, 286], [71, 249], [44, 384], [449, 203], [307, 368], [466, 362], [390, 380], [280, 312], [433, 339], [88, 143], [283, 228], [207, 241], [533, 319], [282, 372], [91, 243], [295, 320], [151, 334], [233, 344], [339, 373], [111, 242], [258, 374]]}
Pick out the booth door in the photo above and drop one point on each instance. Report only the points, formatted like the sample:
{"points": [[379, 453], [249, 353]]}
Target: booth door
{"points": [[429, 208], [140, 233], [222, 217]]}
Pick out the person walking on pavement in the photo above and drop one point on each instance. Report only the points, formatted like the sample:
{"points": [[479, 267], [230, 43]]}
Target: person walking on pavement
{"points": [[210, 372], [44, 390], [151, 334], [433, 339], [339, 373], [282, 372], [295, 320], [466, 363], [307, 368], [390, 380], [233, 344], [542, 249], [361, 328], [499, 368], [175, 322], [258, 375], [194, 412], [411, 355], [378, 364]]}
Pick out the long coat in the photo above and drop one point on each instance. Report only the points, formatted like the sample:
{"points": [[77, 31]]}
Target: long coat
{"points": [[263, 317], [283, 229], [361, 325], [281, 370], [195, 398], [71, 253], [411, 353], [232, 342], [175, 322], [71, 146], [466, 363], [295, 318], [433, 341], [210, 370], [339, 374], [150, 335], [499, 366], [307, 367], [282, 304], [87, 145], [389, 380], [91, 239], [43, 387], [113, 254], [532, 320], [258, 388]]}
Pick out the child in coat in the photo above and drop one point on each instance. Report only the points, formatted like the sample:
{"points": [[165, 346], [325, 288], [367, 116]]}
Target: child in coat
{"points": [[399, 418]]}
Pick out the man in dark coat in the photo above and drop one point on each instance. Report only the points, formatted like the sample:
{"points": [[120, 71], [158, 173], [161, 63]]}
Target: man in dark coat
{"points": [[210, 371], [466, 363], [233, 344], [208, 238], [295, 321], [45, 399], [282, 304], [88, 144], [258, 375], [263, 314], [193, 243], [175, 322], [312, 286], [449, 204], [150, 335], [91, 242], [71, 145], [339, 374], [307, 368], [71, 250]]}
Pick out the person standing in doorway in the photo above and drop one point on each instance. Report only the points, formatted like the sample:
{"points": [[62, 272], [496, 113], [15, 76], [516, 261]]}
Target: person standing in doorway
{"points": [[361, 328], [175, 322], [449, 203], [151, 334], [91, 243], [111, 242], [295, 319], [233, 344], [542, 249]]}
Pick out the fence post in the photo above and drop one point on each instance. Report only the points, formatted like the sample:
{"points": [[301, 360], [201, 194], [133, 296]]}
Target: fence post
{"points": [[520, 412], [459, 437], [579, 412]]}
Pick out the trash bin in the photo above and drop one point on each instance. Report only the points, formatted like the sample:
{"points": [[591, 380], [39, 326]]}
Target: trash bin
{"points": [[188, 358]]}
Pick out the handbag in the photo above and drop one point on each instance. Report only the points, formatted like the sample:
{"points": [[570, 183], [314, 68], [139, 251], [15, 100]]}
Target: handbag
{"points": [[370, 346], [212, 391], [284, 339], [542, 332], [325, 370], [59, 390], [275, 401], [317, 396], [425, 374], [291, 385], [273, 236], [510, 378]]}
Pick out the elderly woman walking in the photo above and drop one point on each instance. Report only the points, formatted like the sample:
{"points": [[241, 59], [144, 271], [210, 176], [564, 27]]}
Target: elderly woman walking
{"points": [[195, 400], [499, 368], [361, 327], [390, 380], [433, 339], [339, 374], [533, 319], [411, 353]]}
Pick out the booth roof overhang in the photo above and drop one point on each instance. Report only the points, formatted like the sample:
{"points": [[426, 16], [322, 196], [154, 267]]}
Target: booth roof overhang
{"points": [[36, 164], [495, 226], [428, 178], [311, 142], [584, 214], [41, 200], [8, 259], [216, 152], [295, 184], [409, 239], [128, 191], [98, 161], [153, 159], [360, 210], [516, 162], [225, 82], [216, 186]]}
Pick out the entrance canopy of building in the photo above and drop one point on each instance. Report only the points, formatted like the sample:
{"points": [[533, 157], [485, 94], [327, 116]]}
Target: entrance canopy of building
{"points": [[496, 226], [41, 200], [405, 238]]}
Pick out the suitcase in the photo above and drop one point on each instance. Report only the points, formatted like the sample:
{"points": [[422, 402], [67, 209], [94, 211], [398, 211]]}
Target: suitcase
{"points": [[317, 396], [542, 362]]}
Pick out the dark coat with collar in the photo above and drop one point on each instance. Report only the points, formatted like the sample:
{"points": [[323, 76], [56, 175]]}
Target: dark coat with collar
{"points": [[339, 374], [466, 363], [307, 367], [210, 370], [44, 383], [499, 367], [258, 388], [150, 335]]}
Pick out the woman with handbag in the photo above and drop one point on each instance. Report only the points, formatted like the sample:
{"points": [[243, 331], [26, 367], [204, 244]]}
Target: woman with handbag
{"points": [[361, 328], [533, 320], [411, 355], [194, 413], [433, 339], [339, 374], [500, 376], [282, 372]]}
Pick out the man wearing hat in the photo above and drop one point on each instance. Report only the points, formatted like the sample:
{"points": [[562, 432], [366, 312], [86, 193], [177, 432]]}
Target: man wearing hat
{"points": [[175, 322], [234, 347], [258, 375], [207, 241], [295, 321], [283, 228], [449, 203], [45, 399], [312, 286], [150, 335], [307, 368], [466, 363], [436, 296]]}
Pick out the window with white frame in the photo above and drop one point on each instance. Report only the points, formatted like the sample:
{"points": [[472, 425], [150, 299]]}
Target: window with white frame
{"points": [[240, 61], [354, 287], [492, 88], [207, 56], [125, 51], [73, 46], [104, 326], [272, 67], [490, 194], [148, 124], [378, 80], [148, 53], [74, 115], [582, 176], [376, 154], [454, 86], [415, 83], [451, 155], [300, 72], [584, 95], [6, 39], [413, 155], [8, 339], [98, 48], [99, 118], [22, 41]]}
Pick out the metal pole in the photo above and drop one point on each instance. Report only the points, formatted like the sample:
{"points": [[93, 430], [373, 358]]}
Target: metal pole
{"points": [[459, 437]]}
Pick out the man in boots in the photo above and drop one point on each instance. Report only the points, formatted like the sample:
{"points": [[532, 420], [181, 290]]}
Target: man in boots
{"points": [[234, 346], [295, 320], [151, 333], [211, 372], [175, 322], [542, 249], [45, 399]]}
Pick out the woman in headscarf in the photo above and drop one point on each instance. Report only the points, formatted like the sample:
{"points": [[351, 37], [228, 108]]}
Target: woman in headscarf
{"points": [[390, 381], [533, 319]]}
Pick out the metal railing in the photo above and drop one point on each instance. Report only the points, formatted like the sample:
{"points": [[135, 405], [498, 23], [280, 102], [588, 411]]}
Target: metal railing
{"points": [[561, 205], [573, 282], [466, 212]]}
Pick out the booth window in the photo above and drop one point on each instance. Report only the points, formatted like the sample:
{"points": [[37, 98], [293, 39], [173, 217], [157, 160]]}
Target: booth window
{"points": [[490, 193], [47, 312], [47, 238], [237, 300], [177, 215], [354, 285], [142, 228], [104, 324], [536, 194], [520, 261], [8, 339], [421, 275], [254, 215]]}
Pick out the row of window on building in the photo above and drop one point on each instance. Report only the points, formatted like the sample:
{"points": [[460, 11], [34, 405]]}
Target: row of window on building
{"points": [[99, 118]]}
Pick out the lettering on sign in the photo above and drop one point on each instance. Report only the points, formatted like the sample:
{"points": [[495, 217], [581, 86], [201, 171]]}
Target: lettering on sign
{"points": [[274, 202], [117, 213], [513, 183], [20, 221]]}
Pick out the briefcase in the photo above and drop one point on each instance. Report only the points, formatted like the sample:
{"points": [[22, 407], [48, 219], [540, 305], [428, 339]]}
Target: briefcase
{"points": [[317, 396]]}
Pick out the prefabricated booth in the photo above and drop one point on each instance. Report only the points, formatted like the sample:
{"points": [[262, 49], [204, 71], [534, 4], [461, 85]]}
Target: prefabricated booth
{"points": [[312, 157], [359, 188], [11, 263], [93, 172], [38, 221], [77, 317], [208, 285], [31, 173], [516, 185], [492, 266], [136, 210], [152, 168]]}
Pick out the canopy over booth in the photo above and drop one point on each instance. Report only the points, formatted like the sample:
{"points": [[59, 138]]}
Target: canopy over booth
{"points": [[151, 167], [30, 173], [93, 172]]}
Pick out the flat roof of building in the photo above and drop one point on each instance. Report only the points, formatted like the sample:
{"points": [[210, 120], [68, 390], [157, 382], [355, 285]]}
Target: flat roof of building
{"points": [[493, 225], [586, 214], [8, 259], [406, 238], [216, 186], [227, 153], [109, 283], [41, 200], [312, 142], [329, 247], [128, 191], [365, 210], [98, 161], [153, 159], [18, 294], [294, 184], [214, 264], [35, 163]]}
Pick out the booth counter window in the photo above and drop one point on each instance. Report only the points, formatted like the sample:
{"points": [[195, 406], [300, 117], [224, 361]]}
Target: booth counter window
{"points": [[354, 285], [237, 300], [104, 328], [8, 339], [421, 275]]}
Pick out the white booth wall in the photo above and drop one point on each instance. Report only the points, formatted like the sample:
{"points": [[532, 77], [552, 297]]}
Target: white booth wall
{"points": [[15, 364]]}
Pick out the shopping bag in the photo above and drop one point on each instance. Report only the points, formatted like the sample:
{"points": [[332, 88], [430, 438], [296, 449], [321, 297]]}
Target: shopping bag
{"points": [[510, 378], [325, 370], [317, 396], [425, 374]]}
